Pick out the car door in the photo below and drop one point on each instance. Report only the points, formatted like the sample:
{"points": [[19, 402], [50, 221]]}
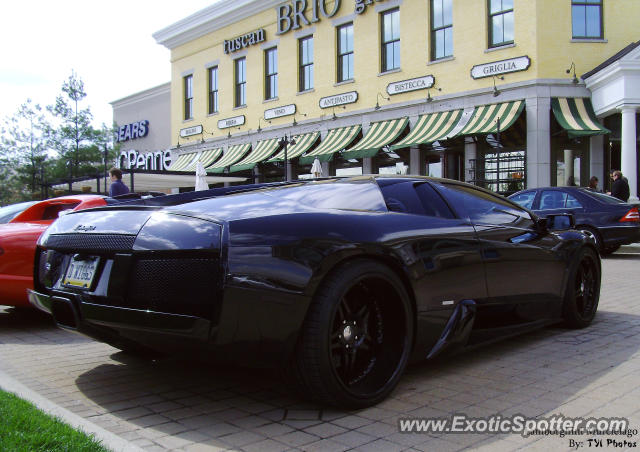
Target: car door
{"points": [[559, 201], [524, 275], [446, 246]]}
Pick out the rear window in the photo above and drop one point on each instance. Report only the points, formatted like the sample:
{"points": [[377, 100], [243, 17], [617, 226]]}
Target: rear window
{"points": [[353, 195], [603, 197], [8, 213]]}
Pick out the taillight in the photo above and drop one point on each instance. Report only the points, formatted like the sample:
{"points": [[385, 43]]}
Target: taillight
{"points": [[631, 215]]}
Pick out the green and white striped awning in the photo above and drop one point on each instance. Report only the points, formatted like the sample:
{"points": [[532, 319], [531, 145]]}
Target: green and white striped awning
{"points": [[487, 119], [336, 140], [303, 143], [210, 157], [577, 117], [231, 156], [183, 161], [379, 134], [262, 151], [205, 157], [430, 128]]}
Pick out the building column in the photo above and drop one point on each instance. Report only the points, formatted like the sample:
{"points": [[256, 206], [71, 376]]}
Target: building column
{"points": [[596, 159], [326, 169], [416, 161], [568, 168], [470, 153], [538, 142], [629, 150], [367, 165]]}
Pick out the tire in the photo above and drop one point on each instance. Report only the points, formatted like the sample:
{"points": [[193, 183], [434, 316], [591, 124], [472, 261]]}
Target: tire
{"points": [[356, 338], [583, 290], [593, 234], [609, 250]]}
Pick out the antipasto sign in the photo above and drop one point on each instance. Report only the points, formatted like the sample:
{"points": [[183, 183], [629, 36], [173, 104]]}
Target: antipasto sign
{"points": [[339, 99], [500, 67]]}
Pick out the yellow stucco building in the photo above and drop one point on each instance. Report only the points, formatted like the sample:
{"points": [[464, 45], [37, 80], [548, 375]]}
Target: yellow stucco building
{"points": [[498, 92]]}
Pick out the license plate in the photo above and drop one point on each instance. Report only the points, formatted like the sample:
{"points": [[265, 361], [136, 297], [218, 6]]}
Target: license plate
{"points": [[81, 271]]}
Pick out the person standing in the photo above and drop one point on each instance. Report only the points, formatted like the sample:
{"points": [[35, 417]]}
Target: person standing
{"points": [[117, 186], [620, 186], [593, 183]]}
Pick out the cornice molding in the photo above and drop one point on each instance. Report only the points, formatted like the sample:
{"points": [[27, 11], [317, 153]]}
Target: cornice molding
{"points": [[210, 19], [164, 89]]}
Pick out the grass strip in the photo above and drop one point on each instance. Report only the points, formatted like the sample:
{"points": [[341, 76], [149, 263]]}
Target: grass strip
{"points": [[25, 428]]}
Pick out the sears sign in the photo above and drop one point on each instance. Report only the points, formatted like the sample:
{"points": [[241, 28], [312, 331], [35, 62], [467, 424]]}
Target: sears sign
{"points": [[132, 131]]}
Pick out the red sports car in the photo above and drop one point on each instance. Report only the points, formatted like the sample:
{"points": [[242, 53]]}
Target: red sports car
{"points": [[18, 240]]}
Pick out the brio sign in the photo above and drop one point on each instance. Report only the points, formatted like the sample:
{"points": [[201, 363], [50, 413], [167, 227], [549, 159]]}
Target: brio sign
{"points": [[132, 131], [155, 161], [299, 13]]}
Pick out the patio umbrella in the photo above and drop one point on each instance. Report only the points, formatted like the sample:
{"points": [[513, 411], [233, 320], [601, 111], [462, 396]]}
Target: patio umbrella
{"points": [[316, 168], [201, 177]]}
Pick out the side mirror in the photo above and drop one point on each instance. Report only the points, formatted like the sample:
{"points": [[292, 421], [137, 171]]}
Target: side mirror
{"points": [[560, 222]]}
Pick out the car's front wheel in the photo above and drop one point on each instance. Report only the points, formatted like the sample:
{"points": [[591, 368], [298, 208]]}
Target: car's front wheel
{"points": [[583, 290], [356, 338]]}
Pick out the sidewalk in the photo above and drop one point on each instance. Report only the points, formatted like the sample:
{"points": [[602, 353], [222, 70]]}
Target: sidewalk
{"points": [[132, 404]]}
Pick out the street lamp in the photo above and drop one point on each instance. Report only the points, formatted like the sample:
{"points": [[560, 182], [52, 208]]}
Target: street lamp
{"points": [[286, 141]]}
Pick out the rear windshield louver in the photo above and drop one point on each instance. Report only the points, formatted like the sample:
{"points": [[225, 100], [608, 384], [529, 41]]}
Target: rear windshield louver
{"points": [[90, 242]]}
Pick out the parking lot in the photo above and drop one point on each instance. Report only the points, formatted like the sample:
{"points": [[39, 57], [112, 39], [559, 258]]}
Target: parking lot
{"points": [[189, 406]]}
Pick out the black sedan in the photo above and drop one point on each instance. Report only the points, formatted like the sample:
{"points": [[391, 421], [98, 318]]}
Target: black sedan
{"points": [[607, 220], [338, 282]]}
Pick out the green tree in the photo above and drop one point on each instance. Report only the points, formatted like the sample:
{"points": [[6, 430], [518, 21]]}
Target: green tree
{"points": [[24, 148], [74, 131]]}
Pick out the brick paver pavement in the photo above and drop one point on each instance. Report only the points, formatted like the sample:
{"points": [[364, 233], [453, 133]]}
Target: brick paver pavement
{"points": [[189, 406]]}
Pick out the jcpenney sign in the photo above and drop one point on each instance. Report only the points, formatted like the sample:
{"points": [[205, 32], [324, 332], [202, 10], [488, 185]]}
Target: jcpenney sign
{"points": [[155, 161]]}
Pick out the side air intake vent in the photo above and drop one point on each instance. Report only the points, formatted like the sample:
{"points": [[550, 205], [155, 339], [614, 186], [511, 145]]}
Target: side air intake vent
{"points": [[179, 286]]}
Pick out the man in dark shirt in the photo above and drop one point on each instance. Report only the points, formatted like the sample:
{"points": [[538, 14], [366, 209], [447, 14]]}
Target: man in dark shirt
{"points": [[620, 186], [117, 186]]}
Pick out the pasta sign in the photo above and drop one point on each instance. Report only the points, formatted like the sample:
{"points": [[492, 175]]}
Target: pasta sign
{"points": [[132, 131]]}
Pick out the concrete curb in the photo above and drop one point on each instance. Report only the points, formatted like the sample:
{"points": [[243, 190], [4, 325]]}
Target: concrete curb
{"points": [[109, 440]]}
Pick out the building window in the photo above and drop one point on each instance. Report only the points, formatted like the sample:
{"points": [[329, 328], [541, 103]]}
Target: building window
{"points": [[345, 52], [213, 90], [390, 40], [241, 82], [500, 22], [271, 73], [586, 17], [188, 97], [441, 29], [305, 56]]}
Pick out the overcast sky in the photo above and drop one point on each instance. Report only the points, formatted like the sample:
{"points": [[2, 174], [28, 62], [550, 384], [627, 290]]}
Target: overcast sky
{"points": [[108, 44]]}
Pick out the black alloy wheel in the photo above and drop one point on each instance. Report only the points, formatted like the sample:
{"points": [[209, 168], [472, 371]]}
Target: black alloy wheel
{"points": [[357, 336], [583, 291]]}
